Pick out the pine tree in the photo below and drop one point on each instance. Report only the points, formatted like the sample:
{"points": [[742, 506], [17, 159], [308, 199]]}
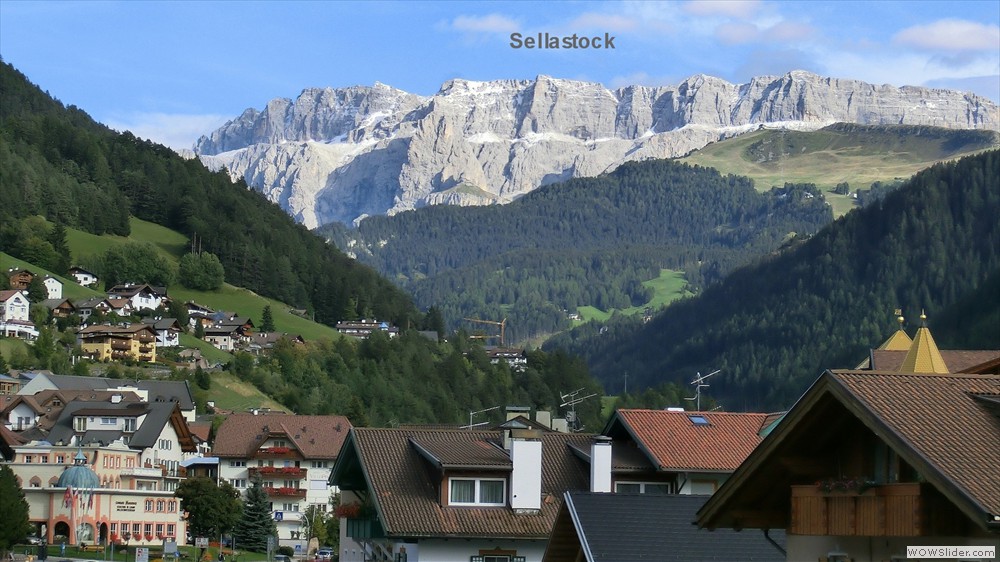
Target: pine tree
{"points": [[267, 320], [256, 523], [13, 512]]}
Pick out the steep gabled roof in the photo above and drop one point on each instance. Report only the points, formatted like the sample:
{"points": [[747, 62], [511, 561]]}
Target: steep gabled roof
{"points": [[675, 441], [940, 424], [630, 527], [405, 482], [315, 437]]}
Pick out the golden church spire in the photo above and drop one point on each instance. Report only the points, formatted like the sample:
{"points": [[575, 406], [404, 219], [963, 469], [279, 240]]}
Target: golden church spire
{"points": [[898, 341], [923, 355]]}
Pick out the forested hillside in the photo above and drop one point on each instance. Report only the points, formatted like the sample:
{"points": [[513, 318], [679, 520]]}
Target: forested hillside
{"points": [[774, 326], [585, 242], [55, 161]]}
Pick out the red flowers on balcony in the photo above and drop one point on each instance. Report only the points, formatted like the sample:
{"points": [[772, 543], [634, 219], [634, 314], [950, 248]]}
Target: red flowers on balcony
{"points": [[286, 491], [274, 450]]}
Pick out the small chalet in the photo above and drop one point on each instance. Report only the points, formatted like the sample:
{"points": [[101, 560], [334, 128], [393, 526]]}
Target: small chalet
{"points": [[82, 276], [869, 462], [121, 306], [15, 320], [263, 343], [361, 329], [629, 527], [86, 307], [105, 342], [513, 356], [20, 279], [141, 296], [53, 287], [225, 338], [455, 494], [168, 331], [61, 308]]}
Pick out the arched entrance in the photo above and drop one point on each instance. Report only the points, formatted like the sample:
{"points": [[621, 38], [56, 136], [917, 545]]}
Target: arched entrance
{"points": [[102, 530], [60, 532]]}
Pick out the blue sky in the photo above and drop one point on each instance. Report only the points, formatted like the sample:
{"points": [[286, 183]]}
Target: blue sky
{"points": [[171, 71]]}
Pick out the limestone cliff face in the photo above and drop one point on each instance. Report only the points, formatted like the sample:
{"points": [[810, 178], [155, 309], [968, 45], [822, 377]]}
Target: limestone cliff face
{"points": [[342, 154]]}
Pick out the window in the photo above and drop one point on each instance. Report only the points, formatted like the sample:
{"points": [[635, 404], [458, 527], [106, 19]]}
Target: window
{"points": [[320, 464], [160, 505], [129, 425], [44, 459], [60, 459], [109, 421], [165, 444], [171, 506], [477, 491], [698, 420], [114, 528], [159, 529], [643, 488], [27, 459], [80, 424], [170, 529], [136, 529], [237, 463], [149, 505], [239, 482], [149, 528]]}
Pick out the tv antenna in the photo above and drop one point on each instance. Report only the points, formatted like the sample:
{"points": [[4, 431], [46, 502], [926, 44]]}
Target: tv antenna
{"points": [[699, 384], [571, 399], [472, 425]]}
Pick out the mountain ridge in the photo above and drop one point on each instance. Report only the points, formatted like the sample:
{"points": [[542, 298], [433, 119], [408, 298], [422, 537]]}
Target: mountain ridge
{"points": [[338, 155]]}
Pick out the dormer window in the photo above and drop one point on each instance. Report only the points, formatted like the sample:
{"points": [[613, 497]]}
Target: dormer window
{"points": [[477, 491], [80, 423]]}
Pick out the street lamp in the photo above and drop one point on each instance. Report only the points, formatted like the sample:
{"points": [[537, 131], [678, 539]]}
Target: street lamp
{"points": [[127, 536]]}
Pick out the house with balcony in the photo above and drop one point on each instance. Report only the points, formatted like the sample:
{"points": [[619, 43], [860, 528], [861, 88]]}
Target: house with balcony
{"points": [[168, 331], [82, 276], [107, 342], [15, 319], [23, 412], [361, 329], [869, 462], [140, 296], [291, 455], [148, 390], [458, 494], [20, 279]]}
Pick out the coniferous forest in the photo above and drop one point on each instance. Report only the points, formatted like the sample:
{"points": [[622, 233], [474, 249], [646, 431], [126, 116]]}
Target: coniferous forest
{"points": [[772, 327], [588, 241]]}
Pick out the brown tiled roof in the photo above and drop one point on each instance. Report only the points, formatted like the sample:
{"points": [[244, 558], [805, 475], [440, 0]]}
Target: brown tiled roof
{"points": [[201, 430], [406, 486], [938, 417], [675, 443], [625, 457], [450, 449], [957, 360], [316, 437]]}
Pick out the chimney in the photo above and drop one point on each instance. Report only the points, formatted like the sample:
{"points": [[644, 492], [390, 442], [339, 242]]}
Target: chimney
{"points": [[600, 464], [526, 476], [544, 417], [514, 411]]}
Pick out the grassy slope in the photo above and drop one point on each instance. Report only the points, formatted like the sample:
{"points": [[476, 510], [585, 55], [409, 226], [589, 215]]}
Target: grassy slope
{"points": [[668, 287], [70, 289], [826, 158], [173, 245]]}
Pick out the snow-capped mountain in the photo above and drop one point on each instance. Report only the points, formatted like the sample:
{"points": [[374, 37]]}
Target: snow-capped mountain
{"points": [[342, 154]]}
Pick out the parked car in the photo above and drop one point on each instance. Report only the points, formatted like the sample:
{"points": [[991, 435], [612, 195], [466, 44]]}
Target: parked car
{"points": [[324, 554]]}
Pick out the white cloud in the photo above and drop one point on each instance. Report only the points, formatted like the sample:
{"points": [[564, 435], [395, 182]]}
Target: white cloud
{"points": [[740, 9], [177, 131], [492, 23], [781, 32], [951, 35], [603, 22]]}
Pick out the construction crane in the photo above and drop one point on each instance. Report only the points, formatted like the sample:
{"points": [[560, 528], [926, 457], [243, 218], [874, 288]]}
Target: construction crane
{"points": [[502, 324]]}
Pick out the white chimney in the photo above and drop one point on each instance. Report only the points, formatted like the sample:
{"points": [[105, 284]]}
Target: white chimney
{"points": [[600, 464], [526, 476], [544, 417]]}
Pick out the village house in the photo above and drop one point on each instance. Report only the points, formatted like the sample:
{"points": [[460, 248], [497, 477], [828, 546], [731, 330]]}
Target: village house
{"points": [[60, 308], [291, 455], [148, 390], [513, 356], [225, 338], [168, 331], [870, 462], [20, 279], [53, 287], [82, 276], [141, 296], [15, 319], [106, 342], [88, 306], [263, 343]]}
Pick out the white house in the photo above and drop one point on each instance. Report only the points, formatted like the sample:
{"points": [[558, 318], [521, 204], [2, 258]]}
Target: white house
{"points": [[82, 276], [141, 296], [53, 287], [15, 320]]}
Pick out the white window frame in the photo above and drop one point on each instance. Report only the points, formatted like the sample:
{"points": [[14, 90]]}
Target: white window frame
{"points": [[477, 491], [642, 486]]}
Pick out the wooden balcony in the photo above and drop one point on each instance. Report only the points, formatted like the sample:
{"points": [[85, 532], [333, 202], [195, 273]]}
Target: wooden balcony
{"points": [[887, 510], [277, 472], [365, 528]]}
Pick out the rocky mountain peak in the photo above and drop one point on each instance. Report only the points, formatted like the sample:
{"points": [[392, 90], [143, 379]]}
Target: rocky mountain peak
{"points": [[336, 154]]}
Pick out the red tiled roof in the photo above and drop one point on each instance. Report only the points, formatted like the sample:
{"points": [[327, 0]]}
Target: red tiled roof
{"points": [[675, 443], [406, 485], [201, 430], [315, 437], [939, 418], [957, 360]]}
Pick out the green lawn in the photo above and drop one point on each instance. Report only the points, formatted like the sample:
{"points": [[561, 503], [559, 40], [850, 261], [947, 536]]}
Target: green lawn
{"points": [[668, 287], [230, 393], [70, 289]]}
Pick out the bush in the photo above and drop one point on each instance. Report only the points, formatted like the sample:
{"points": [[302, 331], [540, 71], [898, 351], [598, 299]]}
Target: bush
{"points": [[286, 550]]}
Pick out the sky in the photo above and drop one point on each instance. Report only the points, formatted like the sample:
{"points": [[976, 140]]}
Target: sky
{"points": [[172, 71]]}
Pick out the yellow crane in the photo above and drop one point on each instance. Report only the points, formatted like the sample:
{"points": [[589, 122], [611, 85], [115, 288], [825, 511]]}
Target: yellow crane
{"points": [[502, 324]]}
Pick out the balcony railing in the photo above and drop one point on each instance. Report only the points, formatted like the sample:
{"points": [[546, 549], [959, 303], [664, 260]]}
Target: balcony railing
{"points": [[293, 472], [887, 510], [286, 492], [363, 528]]}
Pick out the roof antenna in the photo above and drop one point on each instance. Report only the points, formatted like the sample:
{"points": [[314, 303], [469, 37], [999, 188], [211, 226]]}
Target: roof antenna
{"points": [[472, 425], [697, 382], [571, 399]]}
